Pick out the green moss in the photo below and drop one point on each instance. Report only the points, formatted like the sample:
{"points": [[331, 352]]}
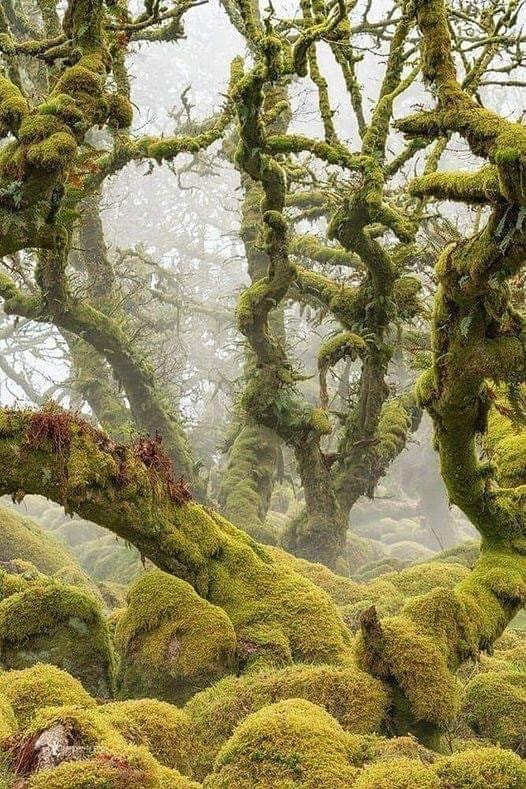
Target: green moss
{"points": [[356, 700], [127, 768], [23, 539], [8, 722], [292, 743], [171, 779], [13, 107], [41, 685], [341, 589], [482, 768], [36, 127], [246, 485], [53, 153], [165, 730], [172, 643], [422, 578], [319, 420], [510, 460], [397, 774], [120, 113], [59, 624], [495, 708]]}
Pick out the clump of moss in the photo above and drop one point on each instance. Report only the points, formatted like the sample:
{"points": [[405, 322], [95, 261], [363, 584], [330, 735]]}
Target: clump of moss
{"points": [[354, 699], [54, 623], [482, 768], [53, 153], [397, 774], [8, 722], [466, 553], [120, 111], [128, 768], [421, 578], [387, 749], [495, 708], [162, 728], [13, 107], [42, 685], [172, 643], [291, 743]]}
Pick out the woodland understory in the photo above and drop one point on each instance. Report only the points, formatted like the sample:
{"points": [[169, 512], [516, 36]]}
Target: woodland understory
{"points": [[262, 394]]}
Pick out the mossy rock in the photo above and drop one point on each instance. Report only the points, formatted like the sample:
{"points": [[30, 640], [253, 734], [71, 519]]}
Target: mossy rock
{"points": [[398, 773], [482, 768], [495, 708], [42, 685], [172, 643], [51, 622], [353, 698], [128, 768], [293, 743], [165, 730]]}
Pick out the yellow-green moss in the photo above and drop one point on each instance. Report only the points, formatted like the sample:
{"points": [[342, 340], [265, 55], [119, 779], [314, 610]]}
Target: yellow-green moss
{"points": [[23, 539], [495, 708], [162, 728], [397, 774], [42, 685], [53, 153], [172, 643], [292, 743], [342, 590], [421, 578], [356, 700], [120, 112], [8, 722], [171, 779], [128, 768], [482, 768]]}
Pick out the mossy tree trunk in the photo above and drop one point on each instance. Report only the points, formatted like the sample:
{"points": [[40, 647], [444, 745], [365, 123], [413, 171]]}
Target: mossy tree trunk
{"points": [[478, 350]]}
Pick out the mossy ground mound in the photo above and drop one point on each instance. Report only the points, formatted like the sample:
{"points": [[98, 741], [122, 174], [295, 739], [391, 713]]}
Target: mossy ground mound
{"points": [[495, 708], [291, 743], [164, 729], [357, 701], [42, 685]]}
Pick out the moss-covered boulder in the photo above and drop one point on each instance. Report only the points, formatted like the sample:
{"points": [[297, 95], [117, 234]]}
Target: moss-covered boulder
{"points": [[172, 643], [127, 768], [482, 768], [293, 743], [42, 685], [495, 708], [50, 622], [398, 773], [165, 730], [356, 700]]}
